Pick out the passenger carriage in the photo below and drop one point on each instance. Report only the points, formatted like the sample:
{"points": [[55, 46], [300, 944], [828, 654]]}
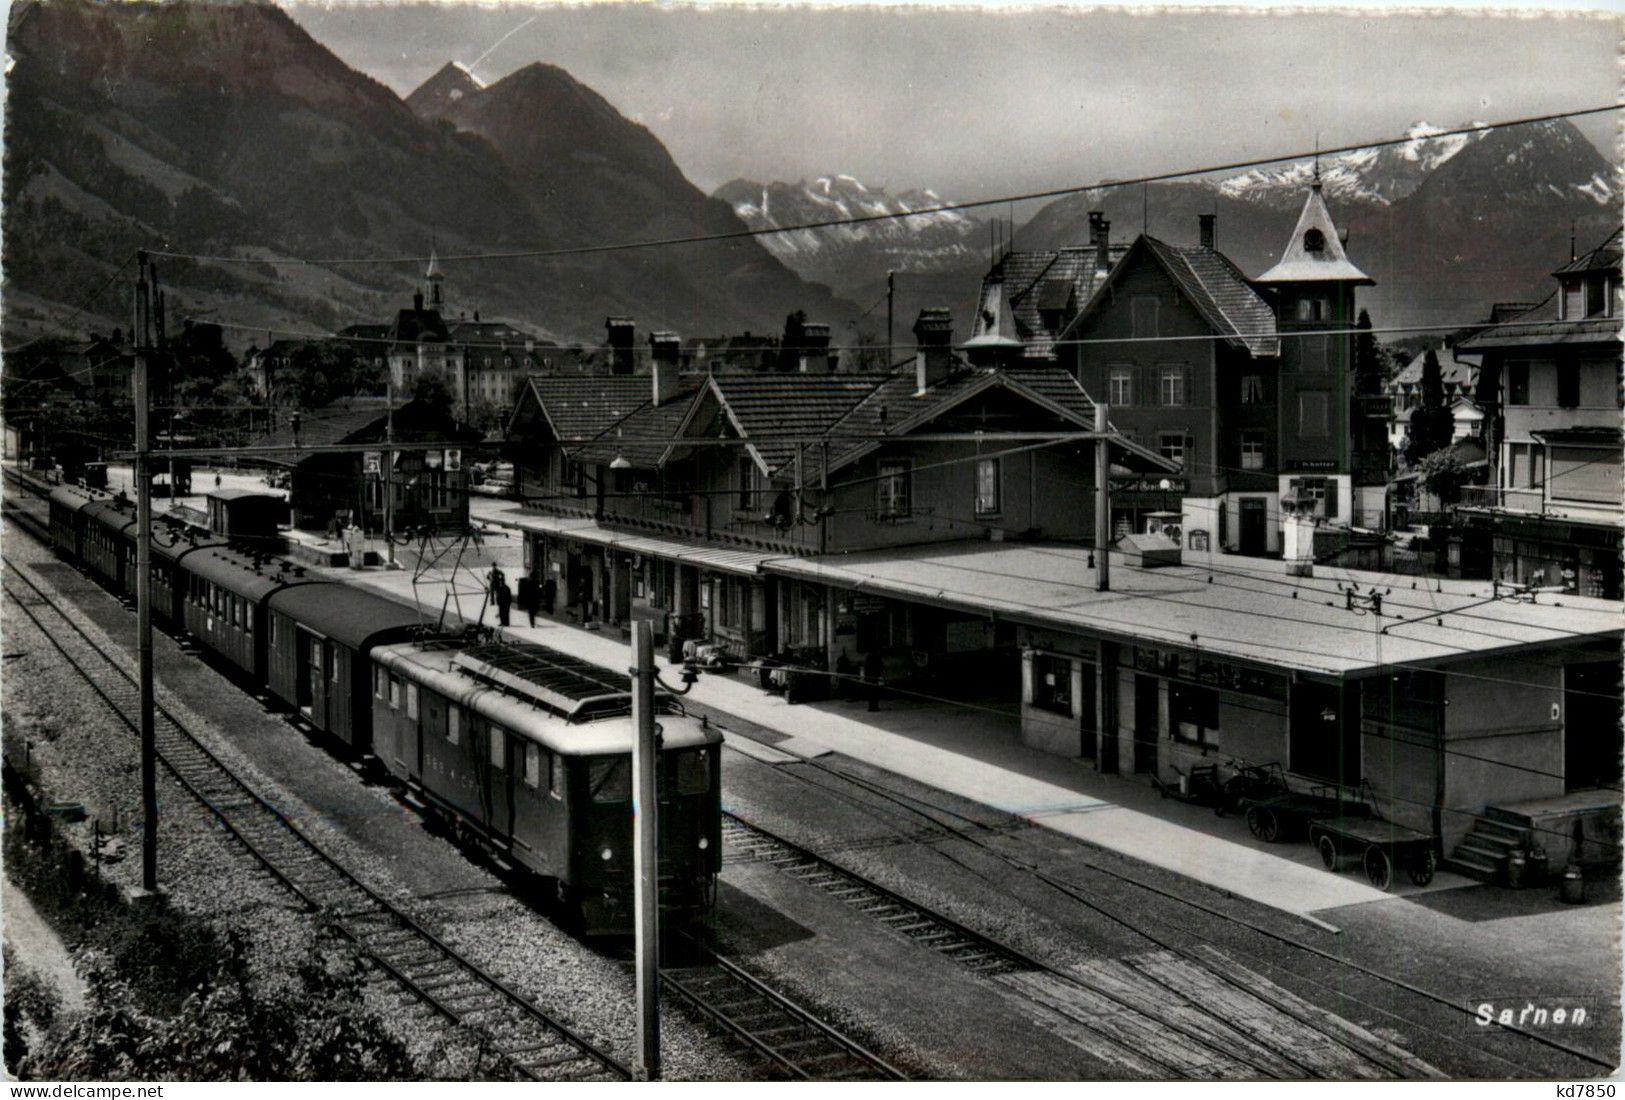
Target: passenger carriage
{"points": [[109, 530], [319, 639], [171, 543], [528, 751], [67, 520], [225, 593]]}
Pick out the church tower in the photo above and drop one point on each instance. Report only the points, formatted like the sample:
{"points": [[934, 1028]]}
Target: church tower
{"points": [[1313, 291], [435, 279]]}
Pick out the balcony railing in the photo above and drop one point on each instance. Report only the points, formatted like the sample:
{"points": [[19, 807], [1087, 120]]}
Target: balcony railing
{"points": [[1494, 496]]}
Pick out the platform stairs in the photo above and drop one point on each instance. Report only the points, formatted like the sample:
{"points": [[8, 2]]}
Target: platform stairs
{"points": [[1483, 852]]}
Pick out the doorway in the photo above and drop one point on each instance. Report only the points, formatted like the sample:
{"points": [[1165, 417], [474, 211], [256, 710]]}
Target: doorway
{"points": [[1088, 734], [1147, 722], [1255, 538], [1591, 725]]}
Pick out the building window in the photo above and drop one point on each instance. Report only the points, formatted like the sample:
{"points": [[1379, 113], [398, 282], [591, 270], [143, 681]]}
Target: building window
{"points": [[1313, 309], [1052, 683], [1321, 492], [1596, 297], [1573, 304], [1252, 389], [987, 486], [1568, 385], [892, 490], [1120, 386], [1194, 714], [1314, 240], [1518, 383], [1252, 450], [1312, 407], [1171, 445], [1172, 385], [1616, 298], [1143, 314], [747, 483]]}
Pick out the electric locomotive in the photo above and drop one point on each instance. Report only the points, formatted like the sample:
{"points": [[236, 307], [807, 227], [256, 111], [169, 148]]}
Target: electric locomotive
{"points": [[528, 752]]}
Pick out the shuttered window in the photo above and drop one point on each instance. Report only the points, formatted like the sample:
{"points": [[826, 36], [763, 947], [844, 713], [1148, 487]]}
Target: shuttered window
{"points": [[1584, 475]]}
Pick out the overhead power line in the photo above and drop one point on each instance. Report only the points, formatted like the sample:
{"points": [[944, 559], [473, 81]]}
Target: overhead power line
{"points": [[926, 211]]}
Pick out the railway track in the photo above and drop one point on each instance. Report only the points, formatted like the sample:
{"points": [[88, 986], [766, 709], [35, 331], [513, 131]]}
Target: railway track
{"points": [[788, 1039], [1163, 1014], [529, 1041]]}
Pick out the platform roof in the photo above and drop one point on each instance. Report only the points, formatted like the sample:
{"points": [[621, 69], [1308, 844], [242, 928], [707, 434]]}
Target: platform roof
{"points": [[1240, 609]]}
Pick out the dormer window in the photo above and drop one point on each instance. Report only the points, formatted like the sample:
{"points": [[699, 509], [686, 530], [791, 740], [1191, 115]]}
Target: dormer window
{"points": [[1596, 296], [1314, 240], [1573, 300]]}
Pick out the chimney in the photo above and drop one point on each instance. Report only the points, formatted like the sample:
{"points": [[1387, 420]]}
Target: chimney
{"points": [[663, 365], [933, 356], [1206, 223], [815, 356], [619, 334], [1096, 217], [1102, 231]]}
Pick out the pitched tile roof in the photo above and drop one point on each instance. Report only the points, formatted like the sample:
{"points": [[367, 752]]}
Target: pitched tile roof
{"points": [[1222, 294], [1031, 284], [647, 422], [414, 325], [763, 406], [581, 407]]}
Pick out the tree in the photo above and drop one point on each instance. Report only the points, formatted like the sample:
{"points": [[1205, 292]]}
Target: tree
{"points": [[1443, 474], [1372, 362], [433, 391], [794, 342], [1432, 422]]}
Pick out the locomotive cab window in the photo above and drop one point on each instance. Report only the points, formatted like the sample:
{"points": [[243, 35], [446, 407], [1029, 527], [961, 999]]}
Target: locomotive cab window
{"points": [[394, 692], [411, 700], [610, 780]]}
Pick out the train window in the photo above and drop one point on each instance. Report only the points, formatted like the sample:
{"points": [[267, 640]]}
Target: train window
{"points": [[248, 615], [499, 748], [610, 779], [533, 764], [379, 680], [236, 606], [555, 775], [411, 700], [394, 693], [272, 628], [693, 772], [333, 660], [454, 725]]}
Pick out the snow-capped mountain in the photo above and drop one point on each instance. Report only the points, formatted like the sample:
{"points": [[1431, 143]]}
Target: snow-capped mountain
{"points": [[1445, 227], [1382, 175], [846, 255]]}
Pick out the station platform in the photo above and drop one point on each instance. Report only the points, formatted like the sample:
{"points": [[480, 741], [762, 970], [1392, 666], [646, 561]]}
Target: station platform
{"points": [[974, 753]]}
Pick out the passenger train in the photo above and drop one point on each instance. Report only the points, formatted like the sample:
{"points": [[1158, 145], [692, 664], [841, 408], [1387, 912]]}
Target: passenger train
{"points": [[523, 750]]}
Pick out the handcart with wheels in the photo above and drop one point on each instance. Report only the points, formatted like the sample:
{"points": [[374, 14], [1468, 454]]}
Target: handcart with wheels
{"points": [[1287, 815], [1379, 846]]}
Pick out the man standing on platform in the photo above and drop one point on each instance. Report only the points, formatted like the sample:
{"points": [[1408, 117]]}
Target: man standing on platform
{"points": [[504, 599]]}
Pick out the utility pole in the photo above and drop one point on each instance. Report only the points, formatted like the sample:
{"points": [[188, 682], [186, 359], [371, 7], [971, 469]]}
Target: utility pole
{"points": [[646, 852], [389, 469], [169, 375], [1103, 503], [143, 585]]}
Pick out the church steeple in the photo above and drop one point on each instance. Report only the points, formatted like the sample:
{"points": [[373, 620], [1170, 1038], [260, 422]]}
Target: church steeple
{"points": [[435, 278]]}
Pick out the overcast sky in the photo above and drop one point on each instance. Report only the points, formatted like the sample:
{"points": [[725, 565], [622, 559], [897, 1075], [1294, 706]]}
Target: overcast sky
{"points": [[979, 103]]}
